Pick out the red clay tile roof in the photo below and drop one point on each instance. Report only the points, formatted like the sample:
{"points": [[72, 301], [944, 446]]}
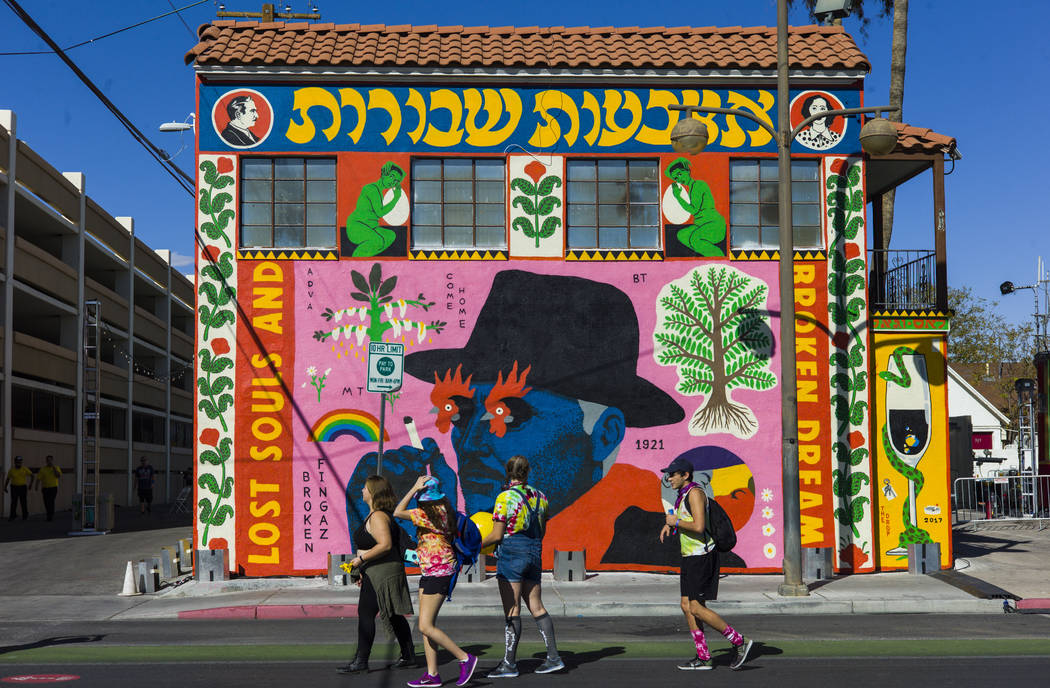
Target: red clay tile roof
{"points": [[921, 140], [281, 43]]}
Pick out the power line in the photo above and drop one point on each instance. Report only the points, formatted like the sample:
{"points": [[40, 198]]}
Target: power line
{"points": [[183, 179], [114, 33]]}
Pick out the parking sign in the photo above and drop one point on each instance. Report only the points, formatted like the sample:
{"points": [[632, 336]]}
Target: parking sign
{"points": [[386, 364]]}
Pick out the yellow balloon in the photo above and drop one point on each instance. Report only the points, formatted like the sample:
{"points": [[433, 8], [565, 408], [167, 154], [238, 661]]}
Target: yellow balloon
{"points": [[483, 520]]}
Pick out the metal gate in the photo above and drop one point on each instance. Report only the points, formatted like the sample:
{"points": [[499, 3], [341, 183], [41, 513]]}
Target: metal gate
{"points": [[1002, 498]]}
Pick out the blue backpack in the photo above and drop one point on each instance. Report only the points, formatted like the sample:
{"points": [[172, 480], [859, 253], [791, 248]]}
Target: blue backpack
{"points": [[467, 546]]}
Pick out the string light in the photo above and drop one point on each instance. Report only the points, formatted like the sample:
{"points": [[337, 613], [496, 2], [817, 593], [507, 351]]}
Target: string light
{"points": [[174, 376]]}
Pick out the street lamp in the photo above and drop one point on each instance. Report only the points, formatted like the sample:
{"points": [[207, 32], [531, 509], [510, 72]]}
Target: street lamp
{"points": [[877, 137]]}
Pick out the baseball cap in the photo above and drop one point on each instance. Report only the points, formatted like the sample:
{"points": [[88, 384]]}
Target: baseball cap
{"points": [[431, 491], [679, 465]]}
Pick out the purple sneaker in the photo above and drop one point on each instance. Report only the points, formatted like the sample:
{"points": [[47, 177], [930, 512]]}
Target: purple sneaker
{"points": [[466, 669], [424, 681]]}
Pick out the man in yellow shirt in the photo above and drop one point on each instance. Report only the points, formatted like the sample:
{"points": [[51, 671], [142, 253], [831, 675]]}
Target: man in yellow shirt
{"points": [[48, 477], [20, 479]]}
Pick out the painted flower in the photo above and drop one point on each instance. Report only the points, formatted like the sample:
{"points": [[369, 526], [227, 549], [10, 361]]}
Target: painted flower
{"points": [[535, 169], [767, 512], [210, 436], [225, 165], [326, 372], [218, 543], [220, 346], [311, 371], [856, 439], [837, 166], [767, 495], [841, 339], [770, 550], [211, 254], [768, 529], [852, 250]]}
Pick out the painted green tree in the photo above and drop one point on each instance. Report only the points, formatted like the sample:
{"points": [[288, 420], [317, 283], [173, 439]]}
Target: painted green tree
{"points": [[538, 201], [711, 325]]}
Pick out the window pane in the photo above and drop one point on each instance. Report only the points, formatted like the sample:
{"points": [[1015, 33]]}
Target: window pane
{"points": [[492, 237], [581, 192], [770, 237], [768, 169], [644, 215], [645, 192], [286, 237], [320, 236], [743, 170], [256, 168], [769, 215], [808, 237], [743, 192], [805, 215], [320, 214], [288, 191], [580, 214], [612, 170], [612, 237], [256, 213], [288, 168], [612, 192], [255, 236], [426, 168], [583, 237], [743, 215], [459, 237], [646, 237], [426, 214], [458, 168], [490, 215], [643, 170], [459, 191], [288, 214], [580, 170], [459, 214], [256, 191], [612, 215], [426, 192], [320, 168], [426, 236], [805, 170], [489, 192], [320, 191], [807, 192], [745, 237], [488, 169]]}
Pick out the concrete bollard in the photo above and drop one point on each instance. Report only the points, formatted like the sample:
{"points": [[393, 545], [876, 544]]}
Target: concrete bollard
{"points": [[336, 576], [475, 573], [818, 563], [570, 566], [212, 565], [924, 558], [169, 562], [148, 577], [184, 547]]}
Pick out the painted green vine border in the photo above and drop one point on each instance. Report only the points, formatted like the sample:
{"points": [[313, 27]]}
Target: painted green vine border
{"points": [[215, 312]]}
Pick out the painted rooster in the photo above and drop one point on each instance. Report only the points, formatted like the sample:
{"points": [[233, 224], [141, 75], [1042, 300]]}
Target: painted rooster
{"points": [[499, 413], [444, 394]]}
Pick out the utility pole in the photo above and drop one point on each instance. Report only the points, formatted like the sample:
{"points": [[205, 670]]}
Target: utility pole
{"points": [[268, 13]]}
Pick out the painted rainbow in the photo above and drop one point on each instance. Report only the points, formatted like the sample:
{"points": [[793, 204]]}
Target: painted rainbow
{"points": [[342, 422]]}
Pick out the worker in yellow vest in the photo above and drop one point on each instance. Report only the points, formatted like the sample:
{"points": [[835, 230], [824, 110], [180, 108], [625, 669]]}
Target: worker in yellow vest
{"points": [[20, 479], [47, 478]]}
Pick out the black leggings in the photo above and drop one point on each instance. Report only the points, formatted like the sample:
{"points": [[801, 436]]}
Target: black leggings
{"points": [[367, 611]]}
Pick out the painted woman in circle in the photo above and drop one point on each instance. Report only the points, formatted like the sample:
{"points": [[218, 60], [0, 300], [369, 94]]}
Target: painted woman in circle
{"points": [[818, 135]]}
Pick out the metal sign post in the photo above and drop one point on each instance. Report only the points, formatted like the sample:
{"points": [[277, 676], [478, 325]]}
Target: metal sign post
{"points": [[386, 367]]}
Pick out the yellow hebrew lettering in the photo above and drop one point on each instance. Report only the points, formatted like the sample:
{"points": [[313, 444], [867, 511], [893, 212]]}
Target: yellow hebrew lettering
{"points": [[382, 99], [659, 100], [614, 134], [351, 97], [759, 136], [416, 101], [302, 101], [494, 106], [548, 133], [590, 103], [444, 99]]}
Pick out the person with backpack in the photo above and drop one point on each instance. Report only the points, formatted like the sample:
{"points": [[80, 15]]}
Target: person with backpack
{"points": [[384, 588], [436, 533], [518, 524], [700, 569]]}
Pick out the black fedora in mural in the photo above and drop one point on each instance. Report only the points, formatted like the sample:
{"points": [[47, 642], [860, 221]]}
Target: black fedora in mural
{"points": [[579, 336]]}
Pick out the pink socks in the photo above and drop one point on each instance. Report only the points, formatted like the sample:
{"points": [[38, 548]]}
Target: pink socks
{"points": [[701, 644], [732, 636]]}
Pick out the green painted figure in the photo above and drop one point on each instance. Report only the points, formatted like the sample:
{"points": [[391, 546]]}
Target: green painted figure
{"points": [[362, 226], [708, 228]]}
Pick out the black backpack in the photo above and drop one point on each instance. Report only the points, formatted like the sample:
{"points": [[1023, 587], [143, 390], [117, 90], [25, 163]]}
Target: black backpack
{"points": [[719, 527]]}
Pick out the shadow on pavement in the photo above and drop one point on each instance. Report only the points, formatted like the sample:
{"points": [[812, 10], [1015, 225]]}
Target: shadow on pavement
{"points": [[972, 544], [127, 520], [574, 660], [49, 642]]}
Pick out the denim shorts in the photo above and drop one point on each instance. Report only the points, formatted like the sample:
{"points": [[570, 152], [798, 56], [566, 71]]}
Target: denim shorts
{"points": [[520, 559]]}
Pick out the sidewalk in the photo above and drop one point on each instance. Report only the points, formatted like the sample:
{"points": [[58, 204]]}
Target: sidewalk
{"points": [[63, 578]]}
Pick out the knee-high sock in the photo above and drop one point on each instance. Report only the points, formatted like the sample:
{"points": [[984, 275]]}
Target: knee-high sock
{"points": [[701, 644], [732, 636], [546, 626], [511, 635]]}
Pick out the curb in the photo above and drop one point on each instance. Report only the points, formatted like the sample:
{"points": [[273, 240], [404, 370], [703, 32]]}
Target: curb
{"points": [[274, 611]]}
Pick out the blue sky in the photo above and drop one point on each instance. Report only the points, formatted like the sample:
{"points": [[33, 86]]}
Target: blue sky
{"points": [[980, 77]]}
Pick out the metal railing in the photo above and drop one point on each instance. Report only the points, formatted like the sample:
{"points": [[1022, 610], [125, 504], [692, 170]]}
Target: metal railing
{"points": [[1002, 498], [903, 279]]}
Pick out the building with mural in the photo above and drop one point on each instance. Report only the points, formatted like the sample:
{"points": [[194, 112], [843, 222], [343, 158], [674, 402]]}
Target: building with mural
{"points": [[505, 204]]}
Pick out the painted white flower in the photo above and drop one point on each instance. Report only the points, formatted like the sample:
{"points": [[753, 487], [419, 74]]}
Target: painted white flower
{"points": [[362, 313], [768, 529], [327, 371], [767, 512], [359, 332], [402, 305], [770, 550], [311, 371], [421, 332], [767, 495], [389, 310], [338, 316]]}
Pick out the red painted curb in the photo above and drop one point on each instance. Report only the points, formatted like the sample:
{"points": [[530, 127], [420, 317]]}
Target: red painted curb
{"points": [[1034, 603], [274, 611]]}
